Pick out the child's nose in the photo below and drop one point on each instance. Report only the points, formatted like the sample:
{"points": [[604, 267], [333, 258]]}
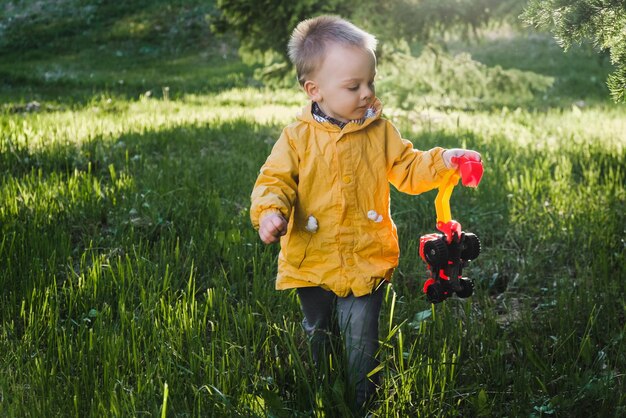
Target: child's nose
{"points": [[367, 93]]}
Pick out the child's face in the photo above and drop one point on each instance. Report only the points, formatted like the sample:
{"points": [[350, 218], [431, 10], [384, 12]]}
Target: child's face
{"points": [[343, 86]]}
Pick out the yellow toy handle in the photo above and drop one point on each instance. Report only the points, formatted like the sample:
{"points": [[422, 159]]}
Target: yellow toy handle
{"points": [[442, 201], [470, 171]]}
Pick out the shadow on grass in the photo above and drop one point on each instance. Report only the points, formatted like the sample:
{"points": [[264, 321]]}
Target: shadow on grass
{"points": [[67, 52], [181, 211], [74, 80], [188, 183]]}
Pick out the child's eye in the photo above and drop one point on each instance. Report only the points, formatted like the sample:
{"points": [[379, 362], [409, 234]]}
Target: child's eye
{"points": [[354, 88]]}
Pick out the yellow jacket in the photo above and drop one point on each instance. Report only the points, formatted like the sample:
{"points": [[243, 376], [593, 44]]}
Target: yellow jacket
{"points": [[332, 185]]}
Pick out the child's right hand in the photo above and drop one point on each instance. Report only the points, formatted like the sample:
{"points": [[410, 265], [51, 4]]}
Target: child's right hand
{"points": [[450, 154], [272, 227]]}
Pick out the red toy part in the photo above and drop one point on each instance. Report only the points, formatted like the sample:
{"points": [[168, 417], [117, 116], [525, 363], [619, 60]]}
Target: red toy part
{"points": [[423, 240], [427, 284], [446, 253], [451, 229], [471, 170]]}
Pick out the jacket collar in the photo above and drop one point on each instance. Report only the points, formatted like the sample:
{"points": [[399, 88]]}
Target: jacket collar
{"points": [[374, 113]]}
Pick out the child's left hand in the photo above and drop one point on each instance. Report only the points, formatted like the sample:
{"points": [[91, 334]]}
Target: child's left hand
{"points": [[458, 152]]}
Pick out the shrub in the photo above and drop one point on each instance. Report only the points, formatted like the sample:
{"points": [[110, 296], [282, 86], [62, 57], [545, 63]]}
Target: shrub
{"points": [[440, 79]]}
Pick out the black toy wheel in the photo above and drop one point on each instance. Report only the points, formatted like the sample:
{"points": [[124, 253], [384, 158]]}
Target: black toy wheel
{"points": [[436, 293], [470, 247], [467, 288], [436, 252]]}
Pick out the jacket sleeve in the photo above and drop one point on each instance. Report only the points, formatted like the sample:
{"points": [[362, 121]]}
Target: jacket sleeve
{"points": [[410, 170], [277, 184]]}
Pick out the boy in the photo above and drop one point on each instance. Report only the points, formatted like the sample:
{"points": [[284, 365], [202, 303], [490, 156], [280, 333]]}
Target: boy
{"points": [[324, 191]]}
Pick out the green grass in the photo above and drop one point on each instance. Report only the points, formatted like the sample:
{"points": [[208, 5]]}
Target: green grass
{"points": [[134, 284], [580, 73], [64, 53], [129, 264]]}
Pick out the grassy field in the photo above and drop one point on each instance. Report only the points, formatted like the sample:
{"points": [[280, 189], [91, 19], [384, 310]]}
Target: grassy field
{"points": [[134, 285]]}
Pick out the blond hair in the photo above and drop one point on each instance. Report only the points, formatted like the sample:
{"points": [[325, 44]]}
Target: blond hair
{"points": [[311, 37]]}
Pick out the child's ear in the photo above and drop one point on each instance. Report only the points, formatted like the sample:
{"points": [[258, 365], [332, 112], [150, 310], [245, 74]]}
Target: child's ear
{"points": [[312, 90]]}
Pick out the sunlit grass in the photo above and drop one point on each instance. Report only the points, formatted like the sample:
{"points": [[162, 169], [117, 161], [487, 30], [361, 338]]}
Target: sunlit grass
{"points": [[129, 266], [134, 285], [107, 118]]}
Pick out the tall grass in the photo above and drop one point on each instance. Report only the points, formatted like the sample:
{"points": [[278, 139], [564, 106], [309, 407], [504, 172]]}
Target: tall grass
{"points": [[134, 284]]}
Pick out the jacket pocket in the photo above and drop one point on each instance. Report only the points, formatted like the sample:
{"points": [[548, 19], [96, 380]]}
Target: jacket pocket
{"points": [[297, 245]]}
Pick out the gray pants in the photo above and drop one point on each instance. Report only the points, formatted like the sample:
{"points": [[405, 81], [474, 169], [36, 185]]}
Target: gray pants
{"points": [[357, 322]]}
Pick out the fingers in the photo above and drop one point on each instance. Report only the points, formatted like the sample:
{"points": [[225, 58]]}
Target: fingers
{"points": [[468, 153], [272, 228], [472, 155], [267, 237], [451, 156], [280, 224]]}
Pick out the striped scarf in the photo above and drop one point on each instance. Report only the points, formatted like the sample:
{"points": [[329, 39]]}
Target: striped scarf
{"points": [[320, 116]]}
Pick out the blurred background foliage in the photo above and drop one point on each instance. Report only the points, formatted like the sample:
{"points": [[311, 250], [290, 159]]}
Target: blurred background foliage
{"points": [[130, 136], [29, 27], [572, 22], [439, 50]]}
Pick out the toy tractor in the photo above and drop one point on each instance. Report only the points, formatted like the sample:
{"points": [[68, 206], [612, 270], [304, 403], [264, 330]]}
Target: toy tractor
{"points": [[450, 250]]}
